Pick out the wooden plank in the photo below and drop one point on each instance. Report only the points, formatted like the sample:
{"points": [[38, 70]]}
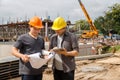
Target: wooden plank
{"points": [[7, 70], [93, 56], [8, 65], [9, 75], [12, 66]]}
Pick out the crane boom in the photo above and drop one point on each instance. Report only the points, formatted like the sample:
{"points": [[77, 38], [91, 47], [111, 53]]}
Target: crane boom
{"points": [[92, 26]]}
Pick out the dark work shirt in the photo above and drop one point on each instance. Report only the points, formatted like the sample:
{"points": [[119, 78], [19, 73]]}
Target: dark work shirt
{"points": [[70, 43], [29, 45]]}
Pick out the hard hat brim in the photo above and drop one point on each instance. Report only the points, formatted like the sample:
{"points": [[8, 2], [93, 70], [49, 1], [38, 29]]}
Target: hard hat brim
{"points": [[38, 27], [56, 28]]}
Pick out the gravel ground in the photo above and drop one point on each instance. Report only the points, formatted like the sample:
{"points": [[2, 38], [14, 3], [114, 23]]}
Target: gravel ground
{"points": [[100, 69]]}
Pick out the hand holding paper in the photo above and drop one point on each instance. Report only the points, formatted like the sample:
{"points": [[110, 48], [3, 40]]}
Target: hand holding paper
{"points": [[37, 62], [60, 50]]}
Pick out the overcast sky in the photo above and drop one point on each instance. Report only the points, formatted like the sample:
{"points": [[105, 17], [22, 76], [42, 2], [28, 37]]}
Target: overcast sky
{"points": [[69, 9]]}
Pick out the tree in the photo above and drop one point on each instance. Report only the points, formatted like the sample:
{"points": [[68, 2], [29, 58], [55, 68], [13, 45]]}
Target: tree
{"points": [[82, 24], [110, 21]]}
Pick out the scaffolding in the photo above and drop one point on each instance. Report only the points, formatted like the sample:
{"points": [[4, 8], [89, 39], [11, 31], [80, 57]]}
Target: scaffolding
{"points": [[10, 31]]}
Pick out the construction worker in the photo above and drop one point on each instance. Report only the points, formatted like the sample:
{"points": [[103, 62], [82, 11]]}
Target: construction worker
{"points": [[27, 44], [63, 61]]}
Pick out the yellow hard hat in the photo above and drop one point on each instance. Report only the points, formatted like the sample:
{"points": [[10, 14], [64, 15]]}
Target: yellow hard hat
{"points": [[59, 23], [36, 22]]}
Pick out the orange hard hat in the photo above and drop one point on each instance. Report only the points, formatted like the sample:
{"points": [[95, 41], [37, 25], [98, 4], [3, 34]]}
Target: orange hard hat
{"points": [[36, 22]]}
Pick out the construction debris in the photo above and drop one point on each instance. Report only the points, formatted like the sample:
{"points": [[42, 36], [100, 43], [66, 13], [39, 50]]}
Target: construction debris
{"points": [[105, 68]]}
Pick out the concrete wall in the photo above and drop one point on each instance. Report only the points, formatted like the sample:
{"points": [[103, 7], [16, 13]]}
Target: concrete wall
{"points": [[5, 50], [85, 49]]}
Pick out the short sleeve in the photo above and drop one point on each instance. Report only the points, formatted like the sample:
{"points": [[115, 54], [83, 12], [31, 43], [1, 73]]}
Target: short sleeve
{"points": [[18, 43]]}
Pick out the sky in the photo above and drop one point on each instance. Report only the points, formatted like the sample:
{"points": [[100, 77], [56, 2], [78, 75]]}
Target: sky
{"points": [[13, 10]]}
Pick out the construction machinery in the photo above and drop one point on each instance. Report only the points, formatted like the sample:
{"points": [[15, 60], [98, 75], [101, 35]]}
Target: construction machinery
{"points": [[93, 32]]}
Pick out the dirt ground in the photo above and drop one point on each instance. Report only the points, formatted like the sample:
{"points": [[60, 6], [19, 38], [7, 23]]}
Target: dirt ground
{"points": [[99, 69]]}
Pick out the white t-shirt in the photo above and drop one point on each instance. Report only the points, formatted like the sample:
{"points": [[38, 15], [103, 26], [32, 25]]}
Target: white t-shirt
{"points": [[58, 60]]}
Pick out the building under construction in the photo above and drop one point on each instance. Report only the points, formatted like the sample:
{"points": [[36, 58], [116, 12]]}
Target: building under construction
{"points": [[10, 31]]}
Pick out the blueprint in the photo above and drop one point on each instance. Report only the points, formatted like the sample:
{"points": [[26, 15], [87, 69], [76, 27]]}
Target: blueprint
{"points": [[36, 61]]}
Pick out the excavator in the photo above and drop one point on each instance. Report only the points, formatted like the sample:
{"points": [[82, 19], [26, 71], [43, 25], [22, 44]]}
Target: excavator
{"points": [[93, 32]]}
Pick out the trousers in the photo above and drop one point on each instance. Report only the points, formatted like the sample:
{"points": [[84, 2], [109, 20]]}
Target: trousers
{"points": [[61, 75], [32, 77]]}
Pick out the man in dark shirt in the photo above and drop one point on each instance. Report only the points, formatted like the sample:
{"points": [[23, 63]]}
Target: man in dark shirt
{"points": [[63, 62], [27, 44]]}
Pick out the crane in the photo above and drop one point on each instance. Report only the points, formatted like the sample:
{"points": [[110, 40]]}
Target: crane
{"points": [[93, 31]]}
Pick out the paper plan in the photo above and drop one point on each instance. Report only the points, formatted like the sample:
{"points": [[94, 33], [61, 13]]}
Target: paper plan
{"points": [[37, 62]]}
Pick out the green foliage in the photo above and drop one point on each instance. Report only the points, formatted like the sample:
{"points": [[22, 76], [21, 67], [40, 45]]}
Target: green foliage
{"points": [[105, 49], [79, 26], [110, 20], [82, 24], [117, 48], [111, 49]]}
